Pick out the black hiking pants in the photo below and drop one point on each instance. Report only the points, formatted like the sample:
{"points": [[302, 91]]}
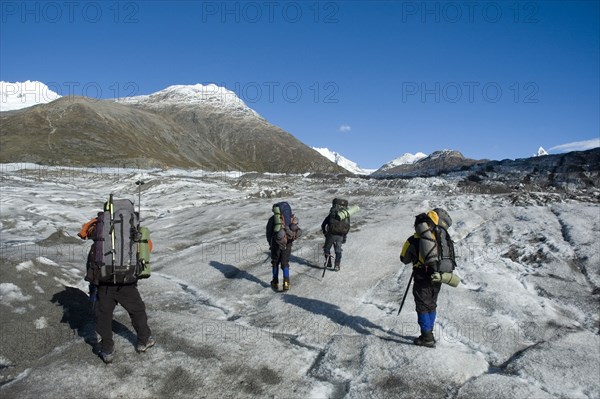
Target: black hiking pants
{"points": [[281, 256], [129, 297], [425, 292], [336, 241]]}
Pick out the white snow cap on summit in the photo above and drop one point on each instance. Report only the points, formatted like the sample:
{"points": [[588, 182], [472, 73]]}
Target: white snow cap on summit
{"points": [[19, 95], [198, 94], [540, 152], [404, 159], [343, 161]]}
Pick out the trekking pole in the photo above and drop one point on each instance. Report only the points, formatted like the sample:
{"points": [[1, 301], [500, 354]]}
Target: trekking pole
{"points": [[112, 234], [406, 292], [325, 265], [139, 183], [138, 236]]}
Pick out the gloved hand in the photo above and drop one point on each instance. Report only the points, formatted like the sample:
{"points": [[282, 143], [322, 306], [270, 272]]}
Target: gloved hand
{"points": [[436, 278]]}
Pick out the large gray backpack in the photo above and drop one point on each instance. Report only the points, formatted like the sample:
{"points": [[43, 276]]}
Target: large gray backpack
{"points": [[116, 239], [436, 248]]}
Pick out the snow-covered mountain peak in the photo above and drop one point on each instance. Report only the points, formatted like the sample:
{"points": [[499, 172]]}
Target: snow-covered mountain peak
{"points": [[343, 161], [19, 95], [198, 94], [541, 151], [406, 158]]}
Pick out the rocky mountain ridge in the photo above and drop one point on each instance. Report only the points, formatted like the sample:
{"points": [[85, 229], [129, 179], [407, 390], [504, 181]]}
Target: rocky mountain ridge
{"points": [[438, 162], [182, 126], [576, 170]]}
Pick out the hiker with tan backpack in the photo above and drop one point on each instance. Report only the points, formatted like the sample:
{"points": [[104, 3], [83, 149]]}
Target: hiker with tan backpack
{"points": [[430, 250]]}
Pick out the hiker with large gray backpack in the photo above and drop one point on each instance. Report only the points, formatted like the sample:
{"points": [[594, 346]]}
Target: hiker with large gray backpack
{"points": [[119, 256], [430, 250], [281, 231], [335, 228]]}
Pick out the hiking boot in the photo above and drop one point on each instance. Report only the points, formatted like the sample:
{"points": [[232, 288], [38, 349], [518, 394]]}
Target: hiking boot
{"points": [[337, 266], [107, 357], [426, 339], [275, 284], [286, 284], [144, 347], [328, 261]]}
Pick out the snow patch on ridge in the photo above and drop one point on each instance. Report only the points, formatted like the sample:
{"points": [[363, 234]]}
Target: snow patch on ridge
{"points": [[19, 95]]}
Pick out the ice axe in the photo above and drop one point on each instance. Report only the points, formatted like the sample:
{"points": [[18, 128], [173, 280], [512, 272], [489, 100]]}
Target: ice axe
{"points": [[406, 292]]}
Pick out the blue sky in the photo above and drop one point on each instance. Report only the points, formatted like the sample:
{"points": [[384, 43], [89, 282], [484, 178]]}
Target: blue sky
{"points": [[370, 80]]}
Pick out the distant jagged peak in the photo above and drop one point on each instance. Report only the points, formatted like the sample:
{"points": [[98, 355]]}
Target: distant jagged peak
{"points": [[441, 161], [444, 154], [198, 94], [540, 152], [342, 161], [404, 159]]}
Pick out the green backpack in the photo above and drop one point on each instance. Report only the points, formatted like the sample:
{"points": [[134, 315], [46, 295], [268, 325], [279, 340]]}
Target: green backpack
{"points": [[143, 253], [339, 216]]}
